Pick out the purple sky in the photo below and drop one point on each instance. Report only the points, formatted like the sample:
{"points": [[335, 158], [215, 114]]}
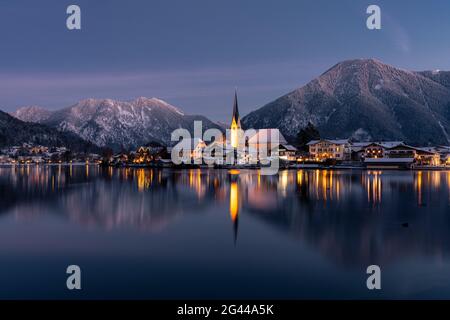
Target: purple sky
{"points": [[194, 53]]}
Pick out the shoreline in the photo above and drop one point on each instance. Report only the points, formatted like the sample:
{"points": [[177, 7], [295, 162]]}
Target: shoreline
{"points": [[190, 167]]}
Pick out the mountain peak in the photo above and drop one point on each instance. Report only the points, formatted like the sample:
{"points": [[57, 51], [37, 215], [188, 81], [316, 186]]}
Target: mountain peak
{"points": [[151, 102], [359, 65], [365, 95], [31, 113], [120, 124], [363, 61]]}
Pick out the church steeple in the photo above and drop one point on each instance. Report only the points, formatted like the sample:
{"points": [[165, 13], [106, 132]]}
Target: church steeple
{"points": [[235, 123], [236, 119]]}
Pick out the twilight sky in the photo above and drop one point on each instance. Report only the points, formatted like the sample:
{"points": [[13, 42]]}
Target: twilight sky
{"points": [[193, 53]]}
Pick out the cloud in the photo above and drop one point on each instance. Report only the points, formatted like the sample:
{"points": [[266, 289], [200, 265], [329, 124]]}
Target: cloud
{"points": [[397, 33]]}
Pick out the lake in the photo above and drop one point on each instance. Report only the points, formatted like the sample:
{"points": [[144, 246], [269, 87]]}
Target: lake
{"points": [[205, 234]]}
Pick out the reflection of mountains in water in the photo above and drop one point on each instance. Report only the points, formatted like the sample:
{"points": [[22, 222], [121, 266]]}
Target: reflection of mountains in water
{"points": [[351, 217], [142, 198], [356, 218]]}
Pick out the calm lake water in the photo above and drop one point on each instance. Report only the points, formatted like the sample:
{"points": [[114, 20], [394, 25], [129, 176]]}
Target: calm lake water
{"points": [[149, 233]]}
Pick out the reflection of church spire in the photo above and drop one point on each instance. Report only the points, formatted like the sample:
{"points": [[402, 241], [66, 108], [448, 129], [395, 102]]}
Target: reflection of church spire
{"points": [[235, 229], [234, 208]]}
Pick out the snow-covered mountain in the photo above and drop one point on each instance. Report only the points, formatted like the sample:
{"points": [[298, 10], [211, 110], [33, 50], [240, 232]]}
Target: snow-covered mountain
{"points": [[365, 99], [117, 124], [14, 132], [32, 114]]}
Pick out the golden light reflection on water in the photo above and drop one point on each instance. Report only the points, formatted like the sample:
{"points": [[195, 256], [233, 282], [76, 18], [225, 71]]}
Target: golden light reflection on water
{"points": [[435, 177], [418, 186], [234, 208], [373, 184], [249, 187], [144, 178], [325, 211], [448, 184], [300, 174], [234, 201], [140, 179], [196, 183], [283, 182], [321, 184]]}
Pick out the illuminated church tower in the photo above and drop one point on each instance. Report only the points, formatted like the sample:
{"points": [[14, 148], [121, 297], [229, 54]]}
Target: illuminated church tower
{"points": [[235, 124]]}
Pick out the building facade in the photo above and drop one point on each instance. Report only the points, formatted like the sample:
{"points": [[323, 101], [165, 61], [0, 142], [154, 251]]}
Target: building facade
{"points": [[324, 149]]}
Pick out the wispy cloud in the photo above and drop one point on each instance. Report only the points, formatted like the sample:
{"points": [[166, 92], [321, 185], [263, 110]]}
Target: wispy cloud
{"points": [[397, 33]]}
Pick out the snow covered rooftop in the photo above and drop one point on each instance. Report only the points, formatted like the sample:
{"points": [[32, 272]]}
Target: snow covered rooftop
{"points": [[337, 141]]}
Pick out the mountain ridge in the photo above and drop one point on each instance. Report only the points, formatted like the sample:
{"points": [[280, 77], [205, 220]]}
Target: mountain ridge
{"points": [[364, 99], [120, 124], [16, 132]]}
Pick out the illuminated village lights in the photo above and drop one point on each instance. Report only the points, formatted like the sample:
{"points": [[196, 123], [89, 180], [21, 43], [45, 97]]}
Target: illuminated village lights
{"points": [[238, 147]]}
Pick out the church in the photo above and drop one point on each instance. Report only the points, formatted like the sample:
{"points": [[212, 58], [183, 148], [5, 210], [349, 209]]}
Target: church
{"points": [[243, 147], [252, 142]]}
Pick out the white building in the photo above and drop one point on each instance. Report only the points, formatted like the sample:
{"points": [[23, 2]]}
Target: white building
{"points": [[330, 149]]}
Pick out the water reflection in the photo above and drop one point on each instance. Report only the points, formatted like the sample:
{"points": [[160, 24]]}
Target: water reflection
{"points": [[373, 183], [234, 207], [349, 217]]}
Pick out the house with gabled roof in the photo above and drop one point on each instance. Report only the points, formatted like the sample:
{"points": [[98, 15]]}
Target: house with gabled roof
{"points": [[323, 149]]}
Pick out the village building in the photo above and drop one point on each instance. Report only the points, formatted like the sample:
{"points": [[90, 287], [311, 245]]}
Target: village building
{"points": [[426, 157], [357, 150], [374, 150], [192, 151], [444, 152], [380, 149], [324, 149], [266, 143], [142, 155], [119, 159], [363, 150], [402, 151], [5, 159], [402, 156], [287, 152], [38, 149]]}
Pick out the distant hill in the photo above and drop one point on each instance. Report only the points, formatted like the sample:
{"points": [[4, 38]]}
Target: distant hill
{"points": [[367, 100], [16, 132], [32, 114], [117, 124]]}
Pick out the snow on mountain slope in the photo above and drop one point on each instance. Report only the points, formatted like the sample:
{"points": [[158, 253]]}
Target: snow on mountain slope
{"points": [[120, 124], [32, 114], [365, 99]]}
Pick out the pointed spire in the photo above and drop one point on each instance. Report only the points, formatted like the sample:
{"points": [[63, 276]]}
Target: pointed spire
{"points": [[236, 109]]}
